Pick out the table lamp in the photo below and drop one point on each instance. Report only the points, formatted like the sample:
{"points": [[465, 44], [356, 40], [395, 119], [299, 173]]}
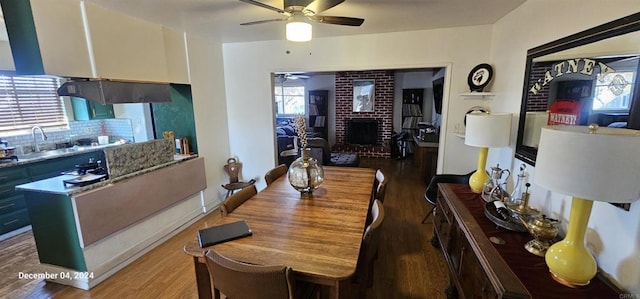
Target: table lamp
{"points": [[587, 163], [485, 131]]}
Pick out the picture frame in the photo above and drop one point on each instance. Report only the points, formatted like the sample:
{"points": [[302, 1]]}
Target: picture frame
{"points": [[364, 95]]}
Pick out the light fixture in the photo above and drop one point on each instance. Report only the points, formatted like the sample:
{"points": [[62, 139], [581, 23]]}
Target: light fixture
{"points": [[587, 163], [298, 31], [485, 131]]}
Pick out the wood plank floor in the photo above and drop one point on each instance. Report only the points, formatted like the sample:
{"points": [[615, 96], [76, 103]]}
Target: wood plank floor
{"points": [[407, 266]]}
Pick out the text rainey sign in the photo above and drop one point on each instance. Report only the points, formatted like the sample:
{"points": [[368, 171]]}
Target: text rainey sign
{"points": [[583, 66]]}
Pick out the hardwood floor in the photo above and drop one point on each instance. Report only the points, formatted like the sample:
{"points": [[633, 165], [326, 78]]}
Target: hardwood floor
{"points": [[407, 266]]}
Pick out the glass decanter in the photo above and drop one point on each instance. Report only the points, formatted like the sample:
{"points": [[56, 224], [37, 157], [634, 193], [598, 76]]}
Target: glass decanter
{"points": [[516, 196]]}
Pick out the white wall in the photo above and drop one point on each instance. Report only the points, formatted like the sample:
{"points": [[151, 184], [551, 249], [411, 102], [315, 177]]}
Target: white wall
{"points": [[248, 82], [210, 109], [614, 235]]}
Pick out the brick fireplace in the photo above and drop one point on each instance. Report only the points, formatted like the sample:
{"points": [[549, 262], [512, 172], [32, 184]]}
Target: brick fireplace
{"points": [[383, 112]]}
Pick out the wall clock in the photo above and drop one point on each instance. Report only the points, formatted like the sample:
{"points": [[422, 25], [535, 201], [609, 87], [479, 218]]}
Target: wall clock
{"points": [[479, 77]]}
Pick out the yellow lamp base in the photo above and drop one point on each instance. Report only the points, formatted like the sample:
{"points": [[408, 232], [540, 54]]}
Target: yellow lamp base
{"points": [[478, 178], [569, 261], [567, 283]]}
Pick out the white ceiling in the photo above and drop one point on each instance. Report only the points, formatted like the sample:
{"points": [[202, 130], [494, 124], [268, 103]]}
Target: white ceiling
{"points": [[220, 19]]}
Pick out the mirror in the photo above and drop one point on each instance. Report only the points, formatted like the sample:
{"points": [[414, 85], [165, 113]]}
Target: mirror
{"points": [[588, 77]]}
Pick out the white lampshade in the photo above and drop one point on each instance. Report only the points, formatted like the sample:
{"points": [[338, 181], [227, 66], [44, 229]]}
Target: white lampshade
{"points": [[298, 31], [603, 166], [488, 130]]}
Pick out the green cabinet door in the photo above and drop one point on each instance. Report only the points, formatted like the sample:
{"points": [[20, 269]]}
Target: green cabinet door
{"points": [[13, 213], [88, 110]]}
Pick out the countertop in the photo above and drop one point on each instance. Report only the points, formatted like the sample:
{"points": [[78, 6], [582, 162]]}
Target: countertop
{"points": [[421, 143], [81, 150], [56, 185]]}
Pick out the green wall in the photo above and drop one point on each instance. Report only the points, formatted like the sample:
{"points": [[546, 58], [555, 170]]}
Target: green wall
{"points": [[176, 116]]}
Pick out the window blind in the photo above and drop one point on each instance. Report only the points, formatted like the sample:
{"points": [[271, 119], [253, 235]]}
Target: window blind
{"points": [[29, 101]]}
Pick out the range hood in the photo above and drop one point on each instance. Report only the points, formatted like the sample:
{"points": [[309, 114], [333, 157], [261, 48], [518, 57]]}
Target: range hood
{"points": [[106, 91]]}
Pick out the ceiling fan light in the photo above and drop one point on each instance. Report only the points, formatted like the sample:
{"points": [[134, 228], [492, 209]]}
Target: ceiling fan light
{"points": [[298, 31]]}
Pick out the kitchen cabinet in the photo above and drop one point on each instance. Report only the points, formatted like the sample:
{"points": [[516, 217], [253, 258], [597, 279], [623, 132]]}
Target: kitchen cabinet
{"points": [[426, 157], [13, 212], [47, 37], [176, 56], [87, 110], [479, 268], [58, 38], [88, 230], [125, 47]]}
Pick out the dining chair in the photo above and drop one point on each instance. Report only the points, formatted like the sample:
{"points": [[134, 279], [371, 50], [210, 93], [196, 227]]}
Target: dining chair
{"points": [[236, 199], [233, 168], [380, 186], [431, 193], [275, 173], [369, 250], [237, 280]]}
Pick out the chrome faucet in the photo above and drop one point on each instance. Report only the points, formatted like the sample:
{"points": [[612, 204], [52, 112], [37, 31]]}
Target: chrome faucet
{"points": [[36, 148]]}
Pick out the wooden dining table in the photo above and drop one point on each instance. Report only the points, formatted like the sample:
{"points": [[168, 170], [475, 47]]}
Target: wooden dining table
{"points": [[317, 235]]}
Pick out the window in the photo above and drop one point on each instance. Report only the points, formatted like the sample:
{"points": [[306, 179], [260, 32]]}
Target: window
{"points": [[289, 97], [29, 101], [613, 91]]}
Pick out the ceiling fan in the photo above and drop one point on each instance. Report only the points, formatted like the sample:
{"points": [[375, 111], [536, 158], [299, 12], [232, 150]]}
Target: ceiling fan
{"points": [[283, 77], [303, 10]]}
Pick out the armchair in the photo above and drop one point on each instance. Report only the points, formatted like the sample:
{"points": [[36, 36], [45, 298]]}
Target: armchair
{"points": [[322, 152], [287, 145]]}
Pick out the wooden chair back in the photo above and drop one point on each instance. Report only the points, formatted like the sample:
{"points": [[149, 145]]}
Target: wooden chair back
{"points": [[275, 173], [233, 169], [369, 249], [236, 199], [380, 186], [238, 280]]}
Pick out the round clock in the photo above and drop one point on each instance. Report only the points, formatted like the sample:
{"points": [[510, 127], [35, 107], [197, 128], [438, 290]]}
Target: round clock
{"points": [[479, 77]]}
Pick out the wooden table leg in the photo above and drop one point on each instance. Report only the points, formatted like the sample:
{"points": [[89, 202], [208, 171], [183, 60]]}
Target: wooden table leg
{"points": [[202, 279], [342, 289]]}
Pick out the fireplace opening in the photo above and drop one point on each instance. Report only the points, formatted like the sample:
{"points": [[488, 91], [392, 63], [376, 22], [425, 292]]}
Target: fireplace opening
{"points": [[362, 131]]}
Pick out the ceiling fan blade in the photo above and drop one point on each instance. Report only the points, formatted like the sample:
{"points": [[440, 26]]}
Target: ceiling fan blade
{"points": [[318, 6], [339, 20], [263, 21], [256, 3]]}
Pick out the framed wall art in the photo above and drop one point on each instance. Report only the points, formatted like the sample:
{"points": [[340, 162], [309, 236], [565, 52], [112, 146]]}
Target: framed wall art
{"points": [[363, 95]]}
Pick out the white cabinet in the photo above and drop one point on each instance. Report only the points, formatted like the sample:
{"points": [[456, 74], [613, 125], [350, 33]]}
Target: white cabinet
{"points": [[125, 47], [61, 37], [6, 59], [69, 39], [47, 37], [176, 56]]}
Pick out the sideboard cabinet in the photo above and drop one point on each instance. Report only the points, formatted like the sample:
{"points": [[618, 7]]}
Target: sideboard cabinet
{"points": [[479, 268]]}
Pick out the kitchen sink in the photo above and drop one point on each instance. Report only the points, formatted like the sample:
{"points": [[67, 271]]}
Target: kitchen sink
{"points": [[59, 152], [46, 154]]}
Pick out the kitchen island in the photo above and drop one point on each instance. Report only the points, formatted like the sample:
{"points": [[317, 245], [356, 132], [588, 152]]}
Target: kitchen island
{"points": [[86, 234], [426, 157]]}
